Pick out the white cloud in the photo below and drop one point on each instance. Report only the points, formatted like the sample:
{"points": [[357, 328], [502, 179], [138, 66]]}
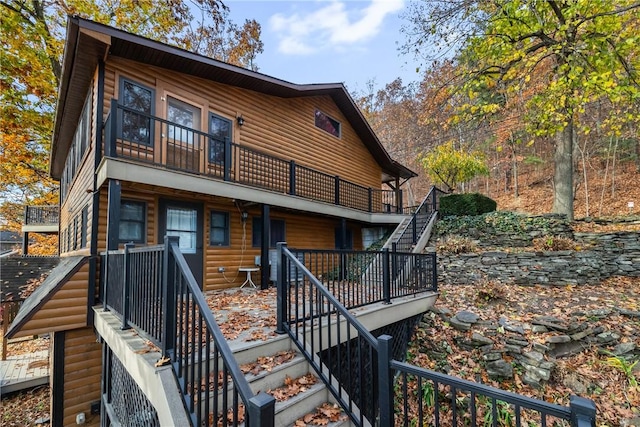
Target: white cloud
{"points": [[334, 25]]}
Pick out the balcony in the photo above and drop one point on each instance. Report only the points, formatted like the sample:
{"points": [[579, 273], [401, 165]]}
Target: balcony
{"points": [[147, 139], [41, 219]]}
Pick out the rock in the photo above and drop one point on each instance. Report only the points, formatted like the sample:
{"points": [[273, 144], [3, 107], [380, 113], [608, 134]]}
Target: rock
{"points": [[478, 340], [531, 380], [630, 422], [550, 325], [534, 357], [510, 327], [571, 381], [624, 348], [629, 313], [539, 373], [568, 349], [558, 339], [513, 348], [467, 317], [541, 347], [599, 312], [490, 357], [607, 337], [539, 329], [582, 335], [520, 343], [457, 324], [499, 369], [441, 311]]}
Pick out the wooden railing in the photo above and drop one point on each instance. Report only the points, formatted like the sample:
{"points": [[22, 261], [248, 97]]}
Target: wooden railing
{"points": [[148, 139]]}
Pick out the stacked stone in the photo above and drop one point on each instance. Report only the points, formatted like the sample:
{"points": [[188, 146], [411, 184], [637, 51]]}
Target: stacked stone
{"points": [[533, 348]]}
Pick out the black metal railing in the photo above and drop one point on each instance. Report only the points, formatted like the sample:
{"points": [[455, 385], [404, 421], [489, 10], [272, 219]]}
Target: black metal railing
{"points": [[424, 397], [149, 139], [41, 215], [358, 278], [419, 221], [372, 387], [153, 290]]}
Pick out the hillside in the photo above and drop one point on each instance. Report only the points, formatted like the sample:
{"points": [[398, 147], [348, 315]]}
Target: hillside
{"points": [[536, 192]]}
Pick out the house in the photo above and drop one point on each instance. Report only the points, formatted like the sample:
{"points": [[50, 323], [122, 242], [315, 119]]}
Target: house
{"points": [[151, 140]]}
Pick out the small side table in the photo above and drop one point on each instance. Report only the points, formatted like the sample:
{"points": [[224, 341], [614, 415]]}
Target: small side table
{"points": [[248, 270]]}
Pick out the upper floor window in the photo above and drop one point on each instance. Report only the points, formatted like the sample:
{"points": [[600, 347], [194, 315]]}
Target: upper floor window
{"points": [[220, 129], [135, 127], [327, 124]]}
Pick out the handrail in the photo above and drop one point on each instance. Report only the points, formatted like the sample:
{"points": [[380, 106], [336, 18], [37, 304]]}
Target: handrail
{"points": [[153, 290], [238, 163], [312, 316], [428, 207]]}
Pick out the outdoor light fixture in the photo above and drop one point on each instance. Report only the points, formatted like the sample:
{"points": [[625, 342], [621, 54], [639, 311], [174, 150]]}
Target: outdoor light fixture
{"points": [[244, 216], [240, 120]]}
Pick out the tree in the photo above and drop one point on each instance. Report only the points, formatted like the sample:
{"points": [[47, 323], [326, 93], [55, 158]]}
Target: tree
{"points": [[451, 167], [33, 33], [586, 49]]}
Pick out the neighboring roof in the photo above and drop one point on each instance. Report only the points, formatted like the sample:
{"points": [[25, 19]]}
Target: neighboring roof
{"points": [[88, 42], [10, 236], [67, 267], [17, 271]]}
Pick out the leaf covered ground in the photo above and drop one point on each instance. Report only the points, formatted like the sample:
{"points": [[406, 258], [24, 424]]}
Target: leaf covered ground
{"points": [[616, 393]]}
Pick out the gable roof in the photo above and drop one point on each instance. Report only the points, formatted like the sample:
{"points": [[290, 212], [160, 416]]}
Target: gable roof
{"points": [[67, 267], [88, 43]]}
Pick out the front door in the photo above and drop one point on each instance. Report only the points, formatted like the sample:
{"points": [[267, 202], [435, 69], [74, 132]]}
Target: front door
{"points": [[185, 220]]}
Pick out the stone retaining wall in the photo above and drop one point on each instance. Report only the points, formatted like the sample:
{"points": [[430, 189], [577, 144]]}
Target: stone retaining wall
{"points": [[604, 255]]}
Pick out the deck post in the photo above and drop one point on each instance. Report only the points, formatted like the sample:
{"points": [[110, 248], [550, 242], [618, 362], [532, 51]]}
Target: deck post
{"points": [[25, 243], [113, 214], [227, 159], [386, 276], [434, 271], [336, 190], [282, 288], [292, 177], [262, 410], [125, 288], [111, 130], [385, 380], [370, 199], [168, 297], [583, 412], [264, 247]]}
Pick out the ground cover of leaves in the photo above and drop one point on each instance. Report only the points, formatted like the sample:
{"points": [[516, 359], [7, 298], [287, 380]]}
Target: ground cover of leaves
{"points": [[25, 408], [616, 394]]}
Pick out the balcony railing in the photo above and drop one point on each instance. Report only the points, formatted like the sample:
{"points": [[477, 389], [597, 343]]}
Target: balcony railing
{"points": [[144, 138], [41, 215]]}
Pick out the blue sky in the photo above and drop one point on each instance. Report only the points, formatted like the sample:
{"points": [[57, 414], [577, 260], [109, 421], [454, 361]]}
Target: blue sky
{"points": [[329, 41]]}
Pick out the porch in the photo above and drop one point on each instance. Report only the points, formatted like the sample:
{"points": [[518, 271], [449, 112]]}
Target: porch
{"points": [[335, 325], [146, 140]]}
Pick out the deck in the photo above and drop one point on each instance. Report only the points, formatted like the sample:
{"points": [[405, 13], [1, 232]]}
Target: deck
{"points": [[24, 371]]}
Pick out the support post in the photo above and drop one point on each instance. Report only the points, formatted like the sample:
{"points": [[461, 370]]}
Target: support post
{"points": [[292, 177], [25, 243], [281, 309], [385, 380], [583, 412], [398, 196], [262, 411], [126, 274], [434, 270], [264, 247], [227, 159], [168, 297], [336, 190], [370, 199], [112, 129], [414, 229], [386, 276], [113, 214]]}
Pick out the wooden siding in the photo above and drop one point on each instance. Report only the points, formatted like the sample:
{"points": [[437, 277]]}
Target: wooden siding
{"points": [[302, 230], [80, 190], [67, 308], [82, 375], [284, 127]]}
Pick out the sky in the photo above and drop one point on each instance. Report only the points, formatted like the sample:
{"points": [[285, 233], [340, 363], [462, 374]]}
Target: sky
{"points": [[330, 41]]}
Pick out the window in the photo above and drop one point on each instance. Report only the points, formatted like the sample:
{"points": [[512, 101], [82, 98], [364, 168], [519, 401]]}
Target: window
{"points": [[136, 127], [338, 239], [277, 232], [83, 229], [186, 116], [132, 221], [183, 222], [220, 129], [327, 124], [219, 229], [81, 140]]}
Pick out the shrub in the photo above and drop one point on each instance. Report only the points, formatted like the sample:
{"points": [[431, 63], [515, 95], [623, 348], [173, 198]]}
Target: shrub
{"points": [[554, 243], [490, 291], [466, 204]]}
